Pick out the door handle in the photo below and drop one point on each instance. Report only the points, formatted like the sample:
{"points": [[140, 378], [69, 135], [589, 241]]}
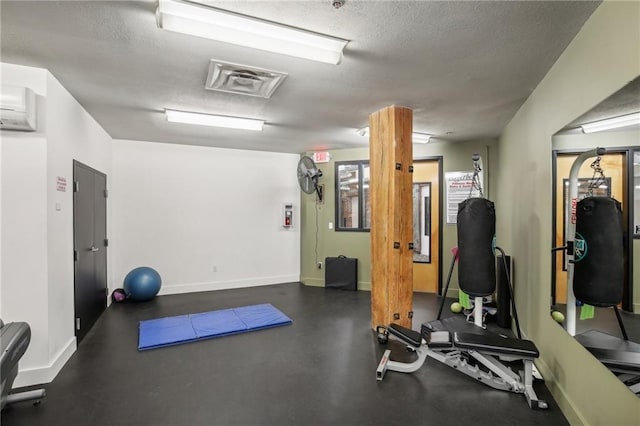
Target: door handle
{"points": [[94, 249]]}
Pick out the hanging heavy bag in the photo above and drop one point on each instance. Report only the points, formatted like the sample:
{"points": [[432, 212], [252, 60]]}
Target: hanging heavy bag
{"points": [[476, 231], [598, 274]]}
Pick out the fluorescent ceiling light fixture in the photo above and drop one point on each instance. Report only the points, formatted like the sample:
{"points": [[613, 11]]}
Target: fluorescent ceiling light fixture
{"points": [[612, 123], [417, 137], [174, 116], [216, 24], [420, 137]]}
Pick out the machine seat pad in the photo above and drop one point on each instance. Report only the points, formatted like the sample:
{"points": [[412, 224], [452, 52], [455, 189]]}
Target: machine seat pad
{"points": [[405, 334], [455, 324], [614, 352], [496, 344], [598, 339], [614, 359], [14, 340], [439, 340]]}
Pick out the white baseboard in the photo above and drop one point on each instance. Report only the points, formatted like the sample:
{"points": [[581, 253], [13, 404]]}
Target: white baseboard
{"points": [[40, 375], [225, 285]]}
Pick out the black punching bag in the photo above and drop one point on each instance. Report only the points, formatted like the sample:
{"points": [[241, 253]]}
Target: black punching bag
{"points": [[598, 274], [476, 263]]}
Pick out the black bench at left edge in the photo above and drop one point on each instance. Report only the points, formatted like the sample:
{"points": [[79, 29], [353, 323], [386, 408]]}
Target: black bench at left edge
{"points": [[341, 273]]}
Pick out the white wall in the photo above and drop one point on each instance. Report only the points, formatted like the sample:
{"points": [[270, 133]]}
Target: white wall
{"points": [[181, 209], [1, 226], [204, 218], [24, 239], [37, 239], [72, 134], [24, 221]]}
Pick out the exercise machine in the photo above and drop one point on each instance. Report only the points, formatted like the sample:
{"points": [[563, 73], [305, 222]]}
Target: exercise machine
{"points": [[621, 356], [570, 245], [469, 347], [14, 340], [595, 272], [487, 357], [413, 340]]}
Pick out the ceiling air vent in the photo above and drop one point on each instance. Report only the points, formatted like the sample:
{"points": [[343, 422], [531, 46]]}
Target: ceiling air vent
{"points": [[242, 79]]}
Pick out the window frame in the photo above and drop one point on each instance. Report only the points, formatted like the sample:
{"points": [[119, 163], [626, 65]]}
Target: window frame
{"points": [[361, 164], [421, 210]]}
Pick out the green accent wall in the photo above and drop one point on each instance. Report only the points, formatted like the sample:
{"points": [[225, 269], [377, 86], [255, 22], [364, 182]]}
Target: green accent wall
{"points": [[602, 58], [325, 242]]}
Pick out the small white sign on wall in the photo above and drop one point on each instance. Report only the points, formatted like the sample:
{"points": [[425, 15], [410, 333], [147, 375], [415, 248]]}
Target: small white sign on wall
{"points": [[459, 188], [61, 184]]}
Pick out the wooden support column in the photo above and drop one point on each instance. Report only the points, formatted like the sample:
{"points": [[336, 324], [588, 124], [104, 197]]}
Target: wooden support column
{"points": [[390, 189]]}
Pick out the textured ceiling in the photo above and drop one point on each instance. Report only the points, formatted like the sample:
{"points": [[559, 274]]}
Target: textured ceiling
{"points": [[463, 67], [624, 101]]}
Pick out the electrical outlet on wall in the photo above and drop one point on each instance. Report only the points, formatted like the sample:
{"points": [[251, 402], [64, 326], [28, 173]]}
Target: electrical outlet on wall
{"points": [[319, 265]]}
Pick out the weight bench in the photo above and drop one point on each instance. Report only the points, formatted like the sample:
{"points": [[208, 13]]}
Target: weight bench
{"points": [[474, 351], [415, 344]]}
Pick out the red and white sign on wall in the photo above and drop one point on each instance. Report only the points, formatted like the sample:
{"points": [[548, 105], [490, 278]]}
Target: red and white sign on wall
{"points": [[321, 157], [574, 206], [61, 184]]}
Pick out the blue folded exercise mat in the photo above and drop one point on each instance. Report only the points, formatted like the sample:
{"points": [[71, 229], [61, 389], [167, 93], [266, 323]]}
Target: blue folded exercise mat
{"points": [[170, 331]]}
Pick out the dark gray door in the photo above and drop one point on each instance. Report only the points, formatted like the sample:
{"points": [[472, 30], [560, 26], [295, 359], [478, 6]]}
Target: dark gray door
{"points": [[90, 246]]}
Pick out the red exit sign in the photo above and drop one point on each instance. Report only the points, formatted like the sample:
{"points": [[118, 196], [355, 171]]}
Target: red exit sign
{"points": [[321, 157]]}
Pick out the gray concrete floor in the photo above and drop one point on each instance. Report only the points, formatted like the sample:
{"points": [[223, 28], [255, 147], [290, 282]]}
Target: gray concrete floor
{"points": [[318, 371]]}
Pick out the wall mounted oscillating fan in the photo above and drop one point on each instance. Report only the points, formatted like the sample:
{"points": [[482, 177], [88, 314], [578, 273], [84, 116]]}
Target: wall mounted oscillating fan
{"points": [[308, 175]]}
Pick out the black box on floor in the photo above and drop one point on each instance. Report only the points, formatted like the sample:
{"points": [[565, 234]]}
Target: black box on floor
{"points": [[341, 272]]}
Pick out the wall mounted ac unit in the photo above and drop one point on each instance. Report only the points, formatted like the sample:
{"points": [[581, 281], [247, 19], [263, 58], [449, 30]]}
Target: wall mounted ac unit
{"points": [[17, 108]]}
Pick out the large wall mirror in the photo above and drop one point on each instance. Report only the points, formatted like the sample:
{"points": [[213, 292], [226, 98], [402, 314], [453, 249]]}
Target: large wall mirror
{"points": [[610, 330]]}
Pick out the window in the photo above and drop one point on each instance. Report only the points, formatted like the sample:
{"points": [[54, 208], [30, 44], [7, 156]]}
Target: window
{"points": [[636, 194], [353, 209]]}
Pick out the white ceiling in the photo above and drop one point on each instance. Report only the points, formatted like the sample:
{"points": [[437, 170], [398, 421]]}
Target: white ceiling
{"points": [[463, 67]]}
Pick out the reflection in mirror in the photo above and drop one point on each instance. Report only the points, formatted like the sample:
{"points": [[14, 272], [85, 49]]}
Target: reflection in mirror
{"points": [[349, 194], [422, 222], [353, 209], [598, 266], [587, 187], [636, 194]]}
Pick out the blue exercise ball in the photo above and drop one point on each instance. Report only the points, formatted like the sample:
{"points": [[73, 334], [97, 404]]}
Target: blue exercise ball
{"points": [[142, 283]]}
